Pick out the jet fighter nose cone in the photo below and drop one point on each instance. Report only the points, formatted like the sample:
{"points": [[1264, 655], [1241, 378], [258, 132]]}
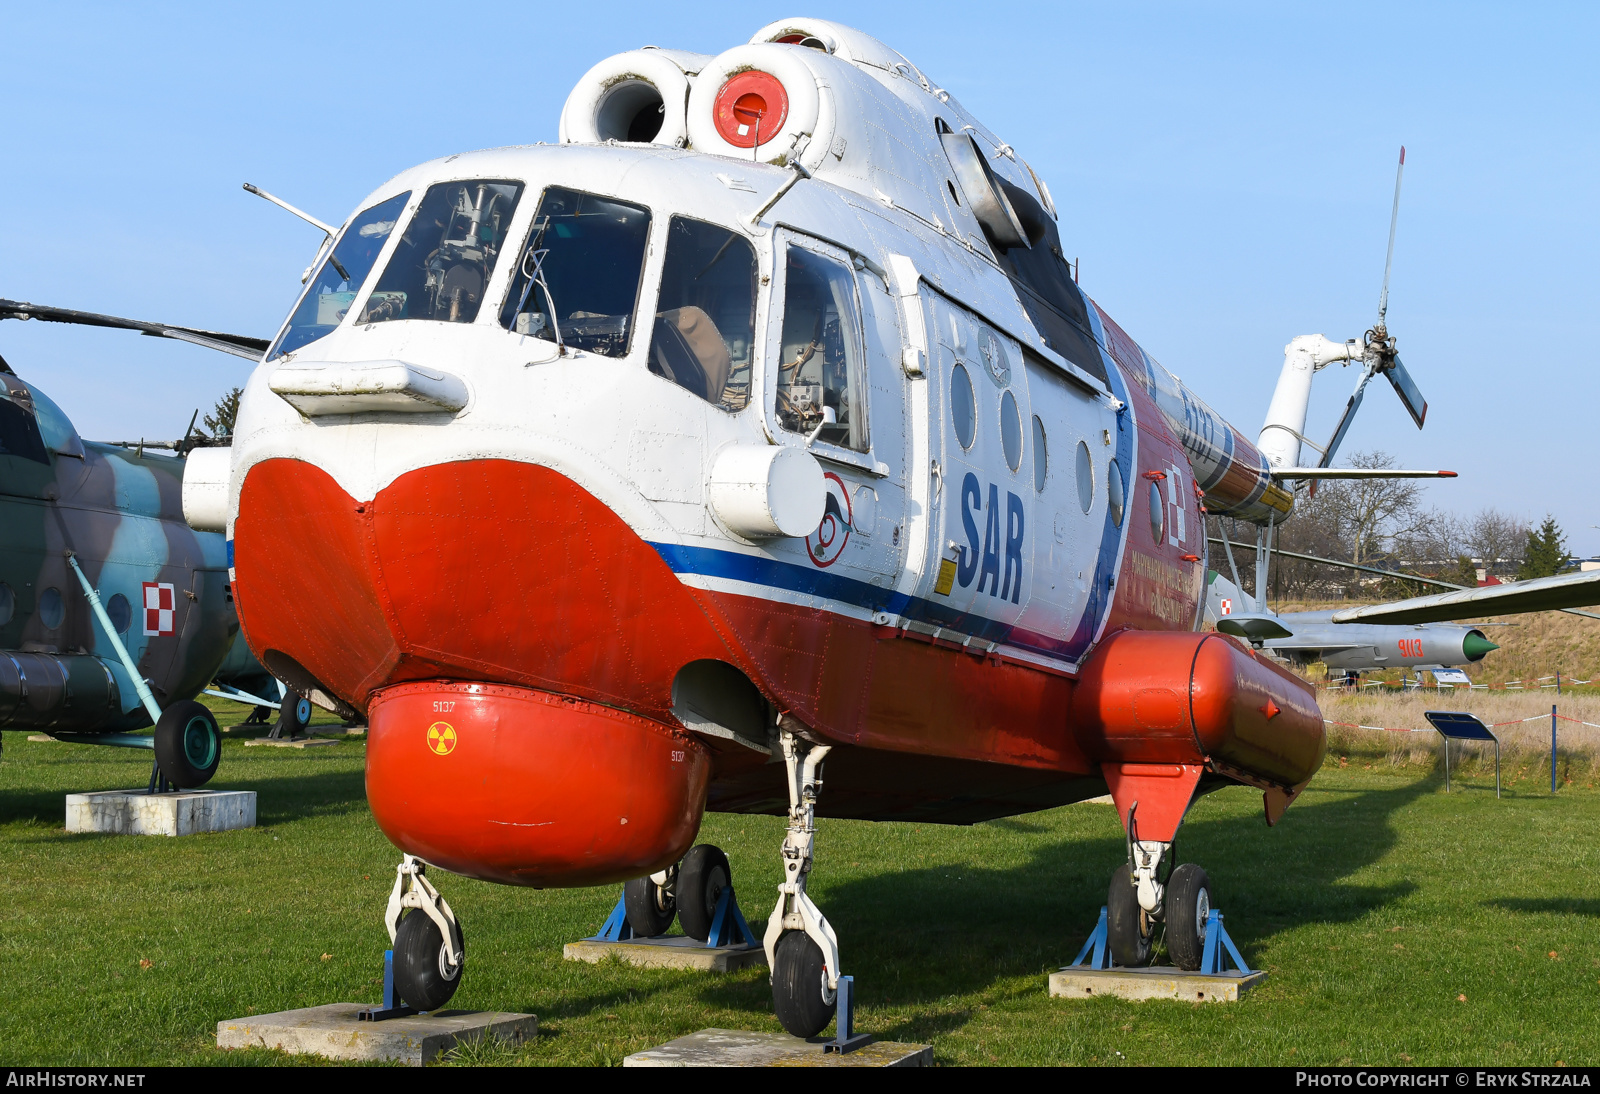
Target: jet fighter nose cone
{"points": [[1475, 645]]}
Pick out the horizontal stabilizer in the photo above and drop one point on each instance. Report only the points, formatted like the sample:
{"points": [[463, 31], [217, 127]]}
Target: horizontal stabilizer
{"points": [[1356, 473], [1542, 594], [1253, 628], [239, 345]]}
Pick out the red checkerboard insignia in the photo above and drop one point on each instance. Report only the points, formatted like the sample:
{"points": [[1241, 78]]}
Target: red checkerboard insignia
{"points": [[160, 608]]}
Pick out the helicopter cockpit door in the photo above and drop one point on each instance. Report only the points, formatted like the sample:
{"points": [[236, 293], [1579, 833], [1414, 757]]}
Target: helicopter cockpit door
{"points": [[835, 347]]}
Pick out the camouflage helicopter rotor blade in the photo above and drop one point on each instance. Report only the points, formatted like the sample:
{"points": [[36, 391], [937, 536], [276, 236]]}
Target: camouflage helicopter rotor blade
{"points": [[239, 345]]}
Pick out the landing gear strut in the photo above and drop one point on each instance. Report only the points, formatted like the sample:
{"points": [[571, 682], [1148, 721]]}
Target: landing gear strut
{"points": [[802, 950], [1142, 895], [428, 948]]}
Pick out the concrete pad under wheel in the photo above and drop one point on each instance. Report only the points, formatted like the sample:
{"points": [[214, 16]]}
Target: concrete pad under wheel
{"points": [[669, 952], [1163, 982], [742, 1048], [177, 813], [334, 1031], [298, 742]]}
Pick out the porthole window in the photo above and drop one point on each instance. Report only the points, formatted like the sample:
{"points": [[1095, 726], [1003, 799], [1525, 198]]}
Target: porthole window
{"points": [[1158, 512], [1085, 476], [1041, 459], [1115, 497], [963, 406], [120, 614], [1010, 431], [8, 603], [50, 608]]}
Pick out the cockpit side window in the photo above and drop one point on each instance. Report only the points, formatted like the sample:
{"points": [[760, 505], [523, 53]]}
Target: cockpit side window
{"points": [[334, 286], [19, 431], [442, 263], [577, 281], [821, 361], [706, 314]]}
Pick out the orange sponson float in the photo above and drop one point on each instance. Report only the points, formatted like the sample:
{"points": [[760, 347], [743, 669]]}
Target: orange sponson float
{"points": [[525, 787], [1158, 709]]}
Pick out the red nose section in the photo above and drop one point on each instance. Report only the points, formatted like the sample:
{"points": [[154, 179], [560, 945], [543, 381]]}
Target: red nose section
{"points": [[487, 570], [527, 788]]}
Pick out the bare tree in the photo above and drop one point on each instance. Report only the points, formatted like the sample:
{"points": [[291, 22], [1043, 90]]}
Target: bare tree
{"points": [[1496, 541], [1374, 513]]}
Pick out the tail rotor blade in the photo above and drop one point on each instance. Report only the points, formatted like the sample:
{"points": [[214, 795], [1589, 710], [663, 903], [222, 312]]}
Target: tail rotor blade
{"points": [[1344, 421], [1410, 394]]}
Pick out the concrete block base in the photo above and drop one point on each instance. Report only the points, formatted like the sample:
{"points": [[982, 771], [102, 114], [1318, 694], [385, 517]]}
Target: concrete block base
{"points": [[178, 813], [1157, 983], [741, 1048], [670, 952], [334, 1031], [282, 742]]}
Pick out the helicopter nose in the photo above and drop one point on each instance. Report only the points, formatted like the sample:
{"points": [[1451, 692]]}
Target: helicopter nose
{"points": [[513, 643], [487, 570]]}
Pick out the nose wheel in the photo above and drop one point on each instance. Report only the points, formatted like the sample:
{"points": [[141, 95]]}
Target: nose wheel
{"points": [[428, 951], [802, 950]]}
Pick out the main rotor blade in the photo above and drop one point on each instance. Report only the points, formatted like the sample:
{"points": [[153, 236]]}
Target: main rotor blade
{"points": [[239, 345], [1394, 218], [1396, 574], [1410, 394], [1562, 592], [1356, 473]]}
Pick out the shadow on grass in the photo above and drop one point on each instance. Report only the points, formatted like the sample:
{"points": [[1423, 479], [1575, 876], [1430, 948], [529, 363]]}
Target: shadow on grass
{"points": [[1551, 905], [920, 935]]}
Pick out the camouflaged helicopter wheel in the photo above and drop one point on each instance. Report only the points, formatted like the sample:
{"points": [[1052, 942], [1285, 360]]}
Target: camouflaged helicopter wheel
{"points": [[188, 744], [1129, 927], [294, 714], [800, 994], [423, 975]]}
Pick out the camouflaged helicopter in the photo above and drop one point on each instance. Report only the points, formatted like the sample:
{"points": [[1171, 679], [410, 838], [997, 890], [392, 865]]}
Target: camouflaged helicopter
{"points": [[80, 517]]}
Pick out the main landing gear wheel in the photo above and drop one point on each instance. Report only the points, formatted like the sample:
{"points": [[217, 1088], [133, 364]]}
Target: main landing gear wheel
{"points": [[423, 974], [702, 877], [1188, 907], [800, 993], [651, 903], [1130, 928], [188, 744]]}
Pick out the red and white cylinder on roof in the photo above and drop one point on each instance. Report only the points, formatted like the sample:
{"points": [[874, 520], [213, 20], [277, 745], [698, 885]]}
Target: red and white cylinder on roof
{"points": [[753, 102]]}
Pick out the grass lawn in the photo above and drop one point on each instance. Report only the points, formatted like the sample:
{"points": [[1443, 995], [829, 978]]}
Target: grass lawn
{"points": [[1375, 905]]}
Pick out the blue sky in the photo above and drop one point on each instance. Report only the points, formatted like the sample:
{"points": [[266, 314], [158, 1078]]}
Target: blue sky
{"points": [[1224, 172]]}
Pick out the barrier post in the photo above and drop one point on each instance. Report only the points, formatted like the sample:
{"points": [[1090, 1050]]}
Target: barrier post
{"points": [[1552, 748]]}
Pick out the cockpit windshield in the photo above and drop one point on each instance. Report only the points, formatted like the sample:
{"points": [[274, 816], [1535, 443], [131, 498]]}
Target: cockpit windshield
{"points": [[442, 263], [336, 282], [577, 282]]}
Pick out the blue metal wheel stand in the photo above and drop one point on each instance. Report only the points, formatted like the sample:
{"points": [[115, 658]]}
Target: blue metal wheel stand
{"points": [[393, 1006]]}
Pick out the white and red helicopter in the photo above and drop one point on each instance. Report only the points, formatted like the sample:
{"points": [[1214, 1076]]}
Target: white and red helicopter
{"points": [[758, 421]]}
